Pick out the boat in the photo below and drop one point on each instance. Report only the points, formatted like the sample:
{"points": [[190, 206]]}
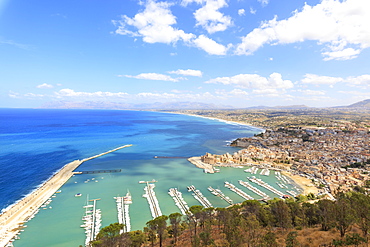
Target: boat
{"points": [[78, 194]]}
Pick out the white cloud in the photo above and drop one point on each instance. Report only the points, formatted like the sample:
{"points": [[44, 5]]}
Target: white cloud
{"points": [[254, 81], [311, 92], [359, 80], [71, 93], [252, 11], [316, 79], [45, 85], [342, 26], [152, 76], [264, 2], [241, 12], [154, 24], [232, 93], [210, 46], [187, 72], [209, 17]]}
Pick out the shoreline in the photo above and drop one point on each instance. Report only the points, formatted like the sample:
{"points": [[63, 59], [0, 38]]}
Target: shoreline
{"points": [[14, 216]]}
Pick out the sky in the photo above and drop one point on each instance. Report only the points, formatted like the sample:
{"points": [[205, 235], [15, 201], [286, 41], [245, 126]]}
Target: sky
{"points": [[238, 53]]}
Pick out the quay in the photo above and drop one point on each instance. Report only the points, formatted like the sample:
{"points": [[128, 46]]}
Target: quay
{"points": [[12, 220], [238, 191], [199, 196], [179, 201], [219, 193], [198, 163], [152, 199]]}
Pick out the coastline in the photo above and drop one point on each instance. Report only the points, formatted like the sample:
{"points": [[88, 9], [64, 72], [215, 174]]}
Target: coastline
{"points": [[12, 219]]}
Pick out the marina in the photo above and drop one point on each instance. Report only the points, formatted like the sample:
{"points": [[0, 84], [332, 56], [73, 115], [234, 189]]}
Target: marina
{"points": [[254, 189], [123, 213], [92, 221], [179, 201], [152, 199], [218, 192], [199, 197], [238, 191]]}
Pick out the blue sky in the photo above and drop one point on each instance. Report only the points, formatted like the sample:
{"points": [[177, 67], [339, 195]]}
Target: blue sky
{"points": [[227, 52]]}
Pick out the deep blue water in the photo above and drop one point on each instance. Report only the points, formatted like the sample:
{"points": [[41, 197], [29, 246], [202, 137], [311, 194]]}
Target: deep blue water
{"points": [[35, 143]]}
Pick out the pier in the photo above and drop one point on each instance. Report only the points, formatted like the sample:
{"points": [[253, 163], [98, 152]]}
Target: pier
{"points": [[152, 199], [13, 219], [179, 201], [92, 222], [266, 186], [123, 215], [238, 191], [199, 196], [218, 192], [96, 171], [254, 190]]}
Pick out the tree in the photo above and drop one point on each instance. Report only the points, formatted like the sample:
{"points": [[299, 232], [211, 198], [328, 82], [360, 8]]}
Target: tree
{"points": [[343, 214], [281, 212], [175, 220], [159, 226], [108, 235], [137, 238], [326, 214]]}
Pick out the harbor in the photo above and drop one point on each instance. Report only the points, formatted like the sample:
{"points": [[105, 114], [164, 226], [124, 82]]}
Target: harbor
{"points": [[266, 186], [254, 190], [12, 220], [199, 197]]}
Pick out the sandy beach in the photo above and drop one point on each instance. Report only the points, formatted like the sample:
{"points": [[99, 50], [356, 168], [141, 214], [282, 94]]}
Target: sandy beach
{"points": [[305, 183]]}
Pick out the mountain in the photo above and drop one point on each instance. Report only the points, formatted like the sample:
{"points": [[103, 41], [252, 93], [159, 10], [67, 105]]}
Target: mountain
{"points": [[128, 106], [362, 104]]}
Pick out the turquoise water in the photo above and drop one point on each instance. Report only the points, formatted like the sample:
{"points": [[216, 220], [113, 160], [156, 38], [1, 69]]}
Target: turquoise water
{"points": [[60, 138]]}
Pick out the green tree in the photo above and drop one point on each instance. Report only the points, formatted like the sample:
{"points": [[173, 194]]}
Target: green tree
{"points": [[291, 240], [175, 220], [137, 238], [326, 214], [108, 235], [158, 225], [281, 213], [344, 214], [361, 206]]}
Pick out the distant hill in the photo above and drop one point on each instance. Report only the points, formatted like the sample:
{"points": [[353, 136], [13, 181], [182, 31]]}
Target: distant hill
{"points": [[362, 104], [288, 107], [128, 106]]}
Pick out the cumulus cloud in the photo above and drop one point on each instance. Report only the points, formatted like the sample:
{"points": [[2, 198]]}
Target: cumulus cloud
{"points": [[312, 92], [45, 85], [209, 17], [252, 11], [254, 81], [187, 72], [342, 26], [210, 46], [264, 2], [316, 79], [241, 12], [152, 76], [154, 24], [359, 80]]}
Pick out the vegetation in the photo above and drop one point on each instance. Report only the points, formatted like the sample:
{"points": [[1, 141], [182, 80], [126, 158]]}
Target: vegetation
{"points": [[291, 222]]}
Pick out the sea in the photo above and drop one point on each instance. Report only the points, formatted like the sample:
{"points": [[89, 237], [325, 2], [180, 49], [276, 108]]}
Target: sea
{"points": [[36, 143]]}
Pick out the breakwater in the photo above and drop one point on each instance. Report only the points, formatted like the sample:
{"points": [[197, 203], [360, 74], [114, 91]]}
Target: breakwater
{"points": [[13, 219]]}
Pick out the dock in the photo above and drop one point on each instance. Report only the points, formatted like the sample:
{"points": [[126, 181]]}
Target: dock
{"points": [[199, 197], [219, 193], [123, 215], [238, 191], [254, 190], [207, 168], [179, 201], [12, 219], [152, 199], [266, 186], [92, 222]]}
